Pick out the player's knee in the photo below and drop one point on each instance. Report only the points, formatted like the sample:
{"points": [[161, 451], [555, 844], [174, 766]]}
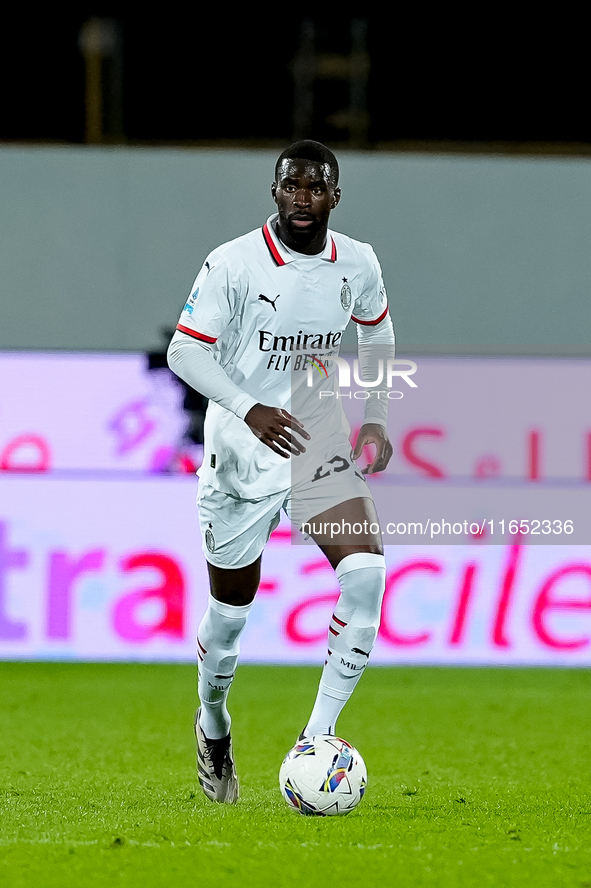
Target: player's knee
{"points": [[223, 636], [222, 626], [362, 578]]}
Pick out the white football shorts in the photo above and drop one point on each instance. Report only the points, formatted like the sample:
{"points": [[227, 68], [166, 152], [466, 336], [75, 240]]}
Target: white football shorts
{"points": [[235, 531]]}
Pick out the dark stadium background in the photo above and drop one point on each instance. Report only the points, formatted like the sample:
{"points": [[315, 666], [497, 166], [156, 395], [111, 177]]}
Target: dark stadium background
{"points": [[487, 79], [466, 140]]}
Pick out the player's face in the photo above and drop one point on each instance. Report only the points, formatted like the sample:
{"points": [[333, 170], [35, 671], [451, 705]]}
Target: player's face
{"points": [[305, 197]]}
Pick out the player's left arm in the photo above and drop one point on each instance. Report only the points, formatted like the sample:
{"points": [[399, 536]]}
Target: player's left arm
{"points": [[376, 344], [373, 433]]}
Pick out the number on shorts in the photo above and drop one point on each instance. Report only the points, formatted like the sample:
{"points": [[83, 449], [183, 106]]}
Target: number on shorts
{"points": [[342, 466]]}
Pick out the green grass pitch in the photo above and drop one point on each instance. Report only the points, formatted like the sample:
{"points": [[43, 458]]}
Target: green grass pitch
{"points": [[477, 777]]}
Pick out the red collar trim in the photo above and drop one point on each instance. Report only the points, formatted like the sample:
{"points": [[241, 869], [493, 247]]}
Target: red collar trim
{"points": [[275, 255]]}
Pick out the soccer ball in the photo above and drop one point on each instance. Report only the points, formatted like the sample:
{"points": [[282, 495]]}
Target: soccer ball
{"points": [[323, 775]]}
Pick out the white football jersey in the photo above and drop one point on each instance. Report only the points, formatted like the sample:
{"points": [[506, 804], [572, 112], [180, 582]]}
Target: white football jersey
{"points": [[266, 311]]}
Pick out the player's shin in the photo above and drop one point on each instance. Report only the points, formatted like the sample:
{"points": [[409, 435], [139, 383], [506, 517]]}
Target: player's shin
{"points": [[218, 646], [351, 637]]}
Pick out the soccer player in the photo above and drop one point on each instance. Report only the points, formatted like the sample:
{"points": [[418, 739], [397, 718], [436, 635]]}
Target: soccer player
{"points": [[264, 309]]}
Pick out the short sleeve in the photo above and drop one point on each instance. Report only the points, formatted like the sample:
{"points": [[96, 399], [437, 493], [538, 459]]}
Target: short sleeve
{"points": [[371, 306], [211, 305]]}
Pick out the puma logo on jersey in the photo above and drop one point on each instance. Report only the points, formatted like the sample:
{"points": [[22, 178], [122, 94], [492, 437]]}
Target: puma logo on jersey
{"points": [[272, 302]]}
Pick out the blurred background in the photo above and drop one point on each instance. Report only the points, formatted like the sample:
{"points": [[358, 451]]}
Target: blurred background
{"points": [[134, 142]]}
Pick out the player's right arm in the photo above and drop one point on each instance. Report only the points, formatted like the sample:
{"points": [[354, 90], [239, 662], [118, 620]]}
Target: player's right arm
{"points": [[207, 312], [270, 425]]}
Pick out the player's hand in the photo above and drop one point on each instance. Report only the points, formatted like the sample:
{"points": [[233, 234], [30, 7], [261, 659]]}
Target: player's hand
{"points": [[274, 428], [374, 433]]}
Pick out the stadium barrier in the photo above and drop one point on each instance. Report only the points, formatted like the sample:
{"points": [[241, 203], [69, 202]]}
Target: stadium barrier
{"points": [[99, 543]]}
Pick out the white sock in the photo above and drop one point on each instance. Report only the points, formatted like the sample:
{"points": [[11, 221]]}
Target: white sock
{"points": [[351, 637], [218, 646]]}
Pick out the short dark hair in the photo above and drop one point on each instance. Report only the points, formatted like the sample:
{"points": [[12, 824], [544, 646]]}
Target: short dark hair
{"points": [[308, 149]]}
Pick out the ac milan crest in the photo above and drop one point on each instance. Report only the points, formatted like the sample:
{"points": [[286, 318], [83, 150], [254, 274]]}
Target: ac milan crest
{"points": [[346, 295]]}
